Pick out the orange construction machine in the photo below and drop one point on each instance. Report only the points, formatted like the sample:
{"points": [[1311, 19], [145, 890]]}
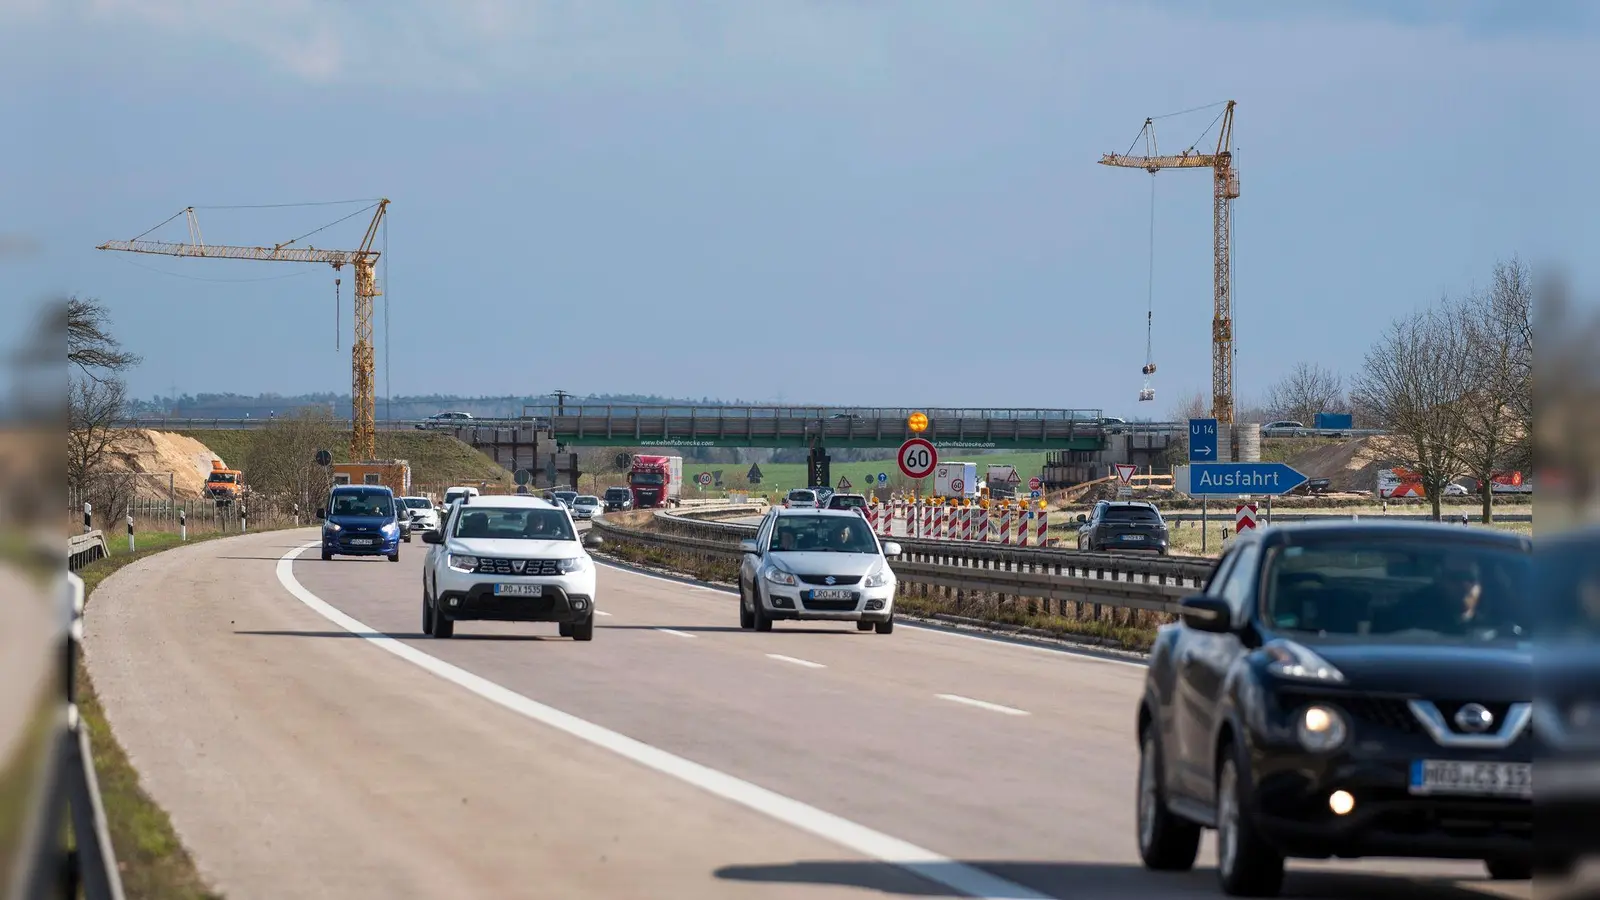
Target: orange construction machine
{"points": [[224, 484]]}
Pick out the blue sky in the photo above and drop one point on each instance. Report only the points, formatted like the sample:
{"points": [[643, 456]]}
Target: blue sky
{"points": [[844, 201]]}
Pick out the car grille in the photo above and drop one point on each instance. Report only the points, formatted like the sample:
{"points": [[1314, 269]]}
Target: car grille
{"points": [[829, 605], [1386, 712], [837, 579], [488, 566]]}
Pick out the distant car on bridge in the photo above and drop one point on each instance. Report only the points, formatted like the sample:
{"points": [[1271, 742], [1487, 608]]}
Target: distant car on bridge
{"points": [[446, 420]]}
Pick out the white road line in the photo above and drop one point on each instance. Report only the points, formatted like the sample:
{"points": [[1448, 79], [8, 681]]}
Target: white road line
{"points": [[601, 613], [676, 632], [939, 869], [944, 630], [984, 704], [799, 662]]}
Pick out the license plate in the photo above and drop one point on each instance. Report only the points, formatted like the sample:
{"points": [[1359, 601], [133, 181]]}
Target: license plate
{"points": [[362, 542], [519, 590], [1501, 779], [831, 594], [1133, 537]]}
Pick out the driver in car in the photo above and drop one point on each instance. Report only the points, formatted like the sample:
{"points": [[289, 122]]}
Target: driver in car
{"points": [[1448, 604]]}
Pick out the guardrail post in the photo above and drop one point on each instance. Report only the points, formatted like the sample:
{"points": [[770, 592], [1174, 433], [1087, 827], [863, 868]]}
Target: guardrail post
{"points": [[88, 517], [130, 531], [183, 525], [244, 520]]}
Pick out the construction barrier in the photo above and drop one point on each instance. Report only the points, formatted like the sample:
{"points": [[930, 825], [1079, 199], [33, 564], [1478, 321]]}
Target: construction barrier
{"points": [[1005, 522]]}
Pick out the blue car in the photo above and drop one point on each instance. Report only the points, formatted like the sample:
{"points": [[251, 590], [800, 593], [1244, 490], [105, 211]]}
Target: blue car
{"points": [[360, 520]]}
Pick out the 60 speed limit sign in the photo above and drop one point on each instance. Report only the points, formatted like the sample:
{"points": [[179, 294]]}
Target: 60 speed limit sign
{"points": [[917, 458]]}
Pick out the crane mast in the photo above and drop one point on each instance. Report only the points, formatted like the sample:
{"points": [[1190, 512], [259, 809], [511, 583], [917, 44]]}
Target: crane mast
{"points": [[363, 425], [1225, 189]]}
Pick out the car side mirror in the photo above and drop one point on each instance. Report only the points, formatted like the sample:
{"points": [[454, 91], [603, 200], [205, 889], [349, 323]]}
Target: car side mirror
{"points": [[892, 550], [1203, 612], [1082, 517], [322, 513], [593, 540], [749, 546], [433, 537]]}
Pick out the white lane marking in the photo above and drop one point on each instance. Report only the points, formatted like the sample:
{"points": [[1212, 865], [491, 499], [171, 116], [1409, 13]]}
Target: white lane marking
{"points": [[676, 632], [945, 630], [935, 867], [599, 612], [799, 662], [984, 704]]}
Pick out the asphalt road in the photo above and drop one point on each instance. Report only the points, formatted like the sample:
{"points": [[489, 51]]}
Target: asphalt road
{"points": [[300, 759]]}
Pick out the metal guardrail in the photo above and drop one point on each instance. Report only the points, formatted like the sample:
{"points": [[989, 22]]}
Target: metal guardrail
{"points": [[1051, 575], [85, 548], [93, 863]]}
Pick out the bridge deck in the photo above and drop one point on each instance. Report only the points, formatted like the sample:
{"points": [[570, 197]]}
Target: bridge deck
{"points": [[778, 426]]}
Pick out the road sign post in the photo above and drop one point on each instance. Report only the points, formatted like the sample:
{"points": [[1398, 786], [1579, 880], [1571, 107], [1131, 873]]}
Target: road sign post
{"points": [[844, 483], [1125, 472], [1203, 440], [754, 475], [917, 458], [883, 477], [1035, 484]]}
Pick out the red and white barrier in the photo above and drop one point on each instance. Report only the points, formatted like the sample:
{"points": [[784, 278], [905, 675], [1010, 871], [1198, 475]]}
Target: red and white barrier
{"points": [[1022, 526], [1042, 524], [1244, 518], [1005, 524], [966, 523]]}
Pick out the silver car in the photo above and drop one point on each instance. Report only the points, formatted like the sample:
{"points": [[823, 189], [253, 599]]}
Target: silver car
{"points": [[817, 564], [587, 506]]}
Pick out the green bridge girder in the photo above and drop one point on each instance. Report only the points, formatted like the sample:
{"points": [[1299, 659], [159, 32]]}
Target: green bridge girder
{"points": [[834, 427]]}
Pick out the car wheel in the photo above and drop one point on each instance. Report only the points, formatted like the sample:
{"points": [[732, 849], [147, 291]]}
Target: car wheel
{"points": [[564, 629], [442, 626], [1246, 866], [1167, 843], [747, 619], [758, 613], [327, 555], [407, 539], [885, 627], [584, 631], [863, 625]]}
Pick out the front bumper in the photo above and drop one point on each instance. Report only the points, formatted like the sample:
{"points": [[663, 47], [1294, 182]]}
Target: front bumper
{"points": [[479, 603], [340, 543], [1291, 794], [794, 602]]}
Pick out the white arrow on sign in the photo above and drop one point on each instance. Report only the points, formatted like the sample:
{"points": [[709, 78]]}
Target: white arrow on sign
{"points": [[1203, 451]]}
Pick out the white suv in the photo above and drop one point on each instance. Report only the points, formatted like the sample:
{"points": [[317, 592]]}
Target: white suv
{"points": [[817, 564], [508, 559]]}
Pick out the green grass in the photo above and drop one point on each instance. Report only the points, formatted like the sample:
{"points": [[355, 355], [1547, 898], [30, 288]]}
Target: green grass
{"points": [[153, 861], [436, 459]]}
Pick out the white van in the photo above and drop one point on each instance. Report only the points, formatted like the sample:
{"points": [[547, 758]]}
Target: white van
{"points": [[452, 495]]}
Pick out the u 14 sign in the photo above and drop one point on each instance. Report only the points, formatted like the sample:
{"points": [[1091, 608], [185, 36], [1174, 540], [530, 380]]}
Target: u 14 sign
{"points": [[917, 458]]}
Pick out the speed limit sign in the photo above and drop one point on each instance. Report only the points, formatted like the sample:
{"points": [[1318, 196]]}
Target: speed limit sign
{"points": [[917, 458]]}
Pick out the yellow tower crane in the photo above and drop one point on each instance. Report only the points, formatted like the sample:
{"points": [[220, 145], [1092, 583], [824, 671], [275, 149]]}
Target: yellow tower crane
{"points": [[1225, 188], [363, 427]]}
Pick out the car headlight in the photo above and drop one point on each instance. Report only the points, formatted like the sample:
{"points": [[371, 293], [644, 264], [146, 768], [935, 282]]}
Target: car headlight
{"points": [[331, 526], [390, 526], [1321, 728], [878, 578], [778, 576], [463, 563], [575, 564], [1297, 662]]}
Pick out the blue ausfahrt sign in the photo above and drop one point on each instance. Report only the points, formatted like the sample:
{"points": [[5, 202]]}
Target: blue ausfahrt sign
{"points": [[1202, 440], [1233, 479]]}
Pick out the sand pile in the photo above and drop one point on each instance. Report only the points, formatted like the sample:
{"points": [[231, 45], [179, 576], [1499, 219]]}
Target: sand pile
{"points": [[159, 452], [1348, 465]]}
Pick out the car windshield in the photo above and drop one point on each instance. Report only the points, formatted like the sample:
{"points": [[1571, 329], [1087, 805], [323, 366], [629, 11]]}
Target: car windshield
{"points": [[513, 523], [648, 478], [587, 501], [1130, 514], [847, 502], [1568, 596], [418, 503], [363, 503], [822, 534], [802, 496], [1445, 589], [617, 494]]}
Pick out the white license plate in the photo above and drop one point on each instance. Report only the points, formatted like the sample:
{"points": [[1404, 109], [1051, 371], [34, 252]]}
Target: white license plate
{"points": [[362, 542], [1498, 779], [519, 590], [1133, 537], [831, 594]]}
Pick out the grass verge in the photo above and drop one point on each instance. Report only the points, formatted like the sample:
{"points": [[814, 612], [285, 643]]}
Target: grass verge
{"points": [[436, 458], [152, 860]]}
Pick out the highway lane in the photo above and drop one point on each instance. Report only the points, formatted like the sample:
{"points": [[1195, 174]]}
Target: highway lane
{"points": [[299, 760], [1021, 760]]}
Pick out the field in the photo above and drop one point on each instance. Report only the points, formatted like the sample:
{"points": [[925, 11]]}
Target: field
{"points": [[436, 459]]}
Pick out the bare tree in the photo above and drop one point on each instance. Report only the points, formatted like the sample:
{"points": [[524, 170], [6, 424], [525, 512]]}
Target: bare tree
{"points": [[1307, 390], [93, 439], [90, 344], [1416, 383], [1497, 326], [280, 463]]}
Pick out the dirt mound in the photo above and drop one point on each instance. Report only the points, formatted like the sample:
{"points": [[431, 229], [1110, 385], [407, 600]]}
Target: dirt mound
{"points": [[159, 452], [1348, 465]]}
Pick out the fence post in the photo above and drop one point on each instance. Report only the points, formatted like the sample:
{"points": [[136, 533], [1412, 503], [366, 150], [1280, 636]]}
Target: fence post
{"points": [[130, 530], [183, 525]]}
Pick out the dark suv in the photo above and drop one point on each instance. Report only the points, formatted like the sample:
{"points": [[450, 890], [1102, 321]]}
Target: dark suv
{"points": [[1123, 525], [617, 499], [1345, 689]]}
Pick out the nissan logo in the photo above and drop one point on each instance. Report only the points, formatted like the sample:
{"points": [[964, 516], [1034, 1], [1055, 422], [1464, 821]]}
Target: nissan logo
{"points": [[1474, 718]]}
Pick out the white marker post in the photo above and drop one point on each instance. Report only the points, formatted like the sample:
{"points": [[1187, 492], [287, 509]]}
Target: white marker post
{"points": [[88, 517], [183, 525], [130, 531]]}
